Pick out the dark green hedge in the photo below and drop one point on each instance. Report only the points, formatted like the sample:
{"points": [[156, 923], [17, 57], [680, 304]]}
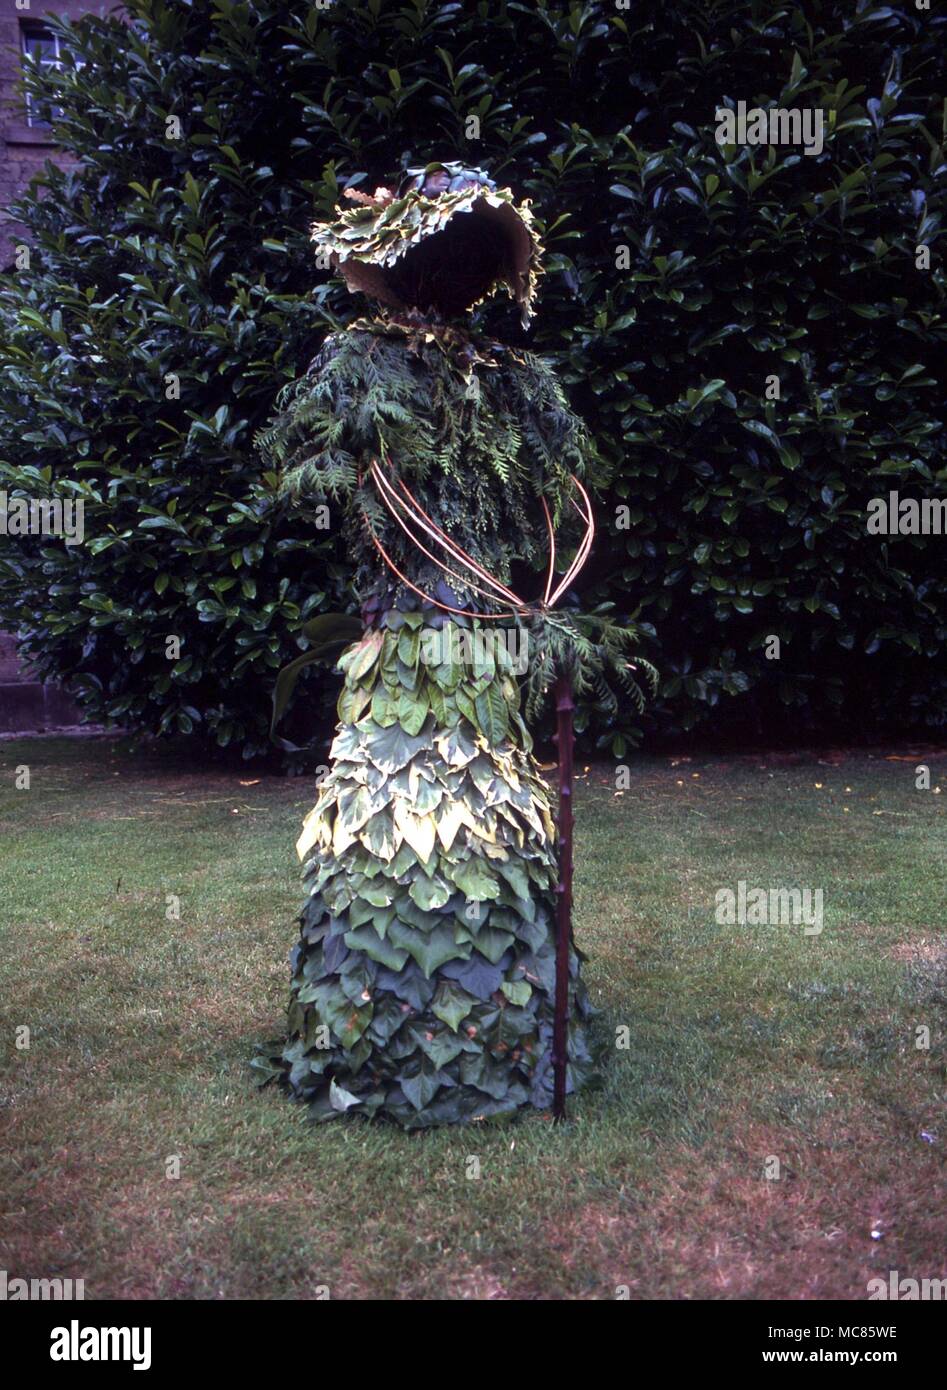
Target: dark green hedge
{"points": [[682, 276]]}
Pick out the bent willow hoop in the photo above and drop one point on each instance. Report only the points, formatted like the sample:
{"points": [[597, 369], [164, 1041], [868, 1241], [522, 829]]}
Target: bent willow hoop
{"points": [[406, 509]]}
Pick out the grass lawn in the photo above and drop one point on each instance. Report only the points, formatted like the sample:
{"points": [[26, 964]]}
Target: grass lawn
{"points": [[746, 1042]]}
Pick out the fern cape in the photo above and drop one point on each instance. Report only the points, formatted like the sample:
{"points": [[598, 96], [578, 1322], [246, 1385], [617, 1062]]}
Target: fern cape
{"points": [[478, 431]]}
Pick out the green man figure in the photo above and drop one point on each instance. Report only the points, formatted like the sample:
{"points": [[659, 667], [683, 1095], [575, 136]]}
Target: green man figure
{"points": [[425, 973]]}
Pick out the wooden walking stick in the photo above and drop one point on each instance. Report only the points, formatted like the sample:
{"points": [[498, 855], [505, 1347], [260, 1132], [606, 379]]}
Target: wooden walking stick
{"points": [[560, 1034]]}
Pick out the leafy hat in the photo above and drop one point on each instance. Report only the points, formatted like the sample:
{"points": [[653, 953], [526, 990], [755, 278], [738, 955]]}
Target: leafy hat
{"points": [[443, 239]]}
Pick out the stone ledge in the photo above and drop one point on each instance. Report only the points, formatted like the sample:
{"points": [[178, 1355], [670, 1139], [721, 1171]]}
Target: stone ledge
{"points": [[28, 706]]}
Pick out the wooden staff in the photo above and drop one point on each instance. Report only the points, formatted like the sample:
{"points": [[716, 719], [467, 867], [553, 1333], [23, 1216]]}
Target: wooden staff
{"points": [[560, 1033]]}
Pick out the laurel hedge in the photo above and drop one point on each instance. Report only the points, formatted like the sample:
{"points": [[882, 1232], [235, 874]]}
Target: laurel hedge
{"points": [[754, 333]]}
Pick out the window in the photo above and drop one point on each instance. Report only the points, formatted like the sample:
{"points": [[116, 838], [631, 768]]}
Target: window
{"points": [[41, 48]]}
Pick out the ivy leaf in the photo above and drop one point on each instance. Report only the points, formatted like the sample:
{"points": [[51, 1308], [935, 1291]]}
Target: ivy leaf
{"points": [[478, 1070], [347, 1020], [429, 949], [379, 949], [439, 1045], [418, 831], [392, 749], [341, 1099], [515, 875], [456, 748], [354, 808], [421, 1088], [475, 880], [429, 893], [492, 943], [452, 1004], [477, 975], [517, 991]]}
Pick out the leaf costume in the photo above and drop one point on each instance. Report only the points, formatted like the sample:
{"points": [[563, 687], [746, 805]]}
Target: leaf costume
{"points": [[424, 976]]}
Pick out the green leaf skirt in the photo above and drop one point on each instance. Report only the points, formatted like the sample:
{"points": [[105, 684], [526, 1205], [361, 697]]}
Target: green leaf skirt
{"points": [[424, 976]]}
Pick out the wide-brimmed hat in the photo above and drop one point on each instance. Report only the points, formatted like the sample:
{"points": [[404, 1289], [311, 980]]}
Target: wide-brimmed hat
{"points": [[369, 242]]}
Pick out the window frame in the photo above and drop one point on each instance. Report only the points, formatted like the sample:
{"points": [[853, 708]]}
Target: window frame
{"points": [[36, 29]]}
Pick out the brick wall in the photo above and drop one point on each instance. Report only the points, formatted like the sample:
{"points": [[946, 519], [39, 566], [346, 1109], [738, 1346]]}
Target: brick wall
{"points": [[25, 704]]}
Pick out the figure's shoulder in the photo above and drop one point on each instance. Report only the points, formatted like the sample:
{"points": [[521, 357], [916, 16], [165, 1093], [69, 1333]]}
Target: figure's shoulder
{"points": [[341, 348], [519, 360], [529, 372]]}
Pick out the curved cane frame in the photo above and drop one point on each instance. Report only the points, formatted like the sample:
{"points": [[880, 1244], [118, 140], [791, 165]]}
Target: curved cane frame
{"points": [[405, 509]]}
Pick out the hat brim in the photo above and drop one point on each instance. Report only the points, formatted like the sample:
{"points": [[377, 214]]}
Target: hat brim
{"points": [[373, 278]]}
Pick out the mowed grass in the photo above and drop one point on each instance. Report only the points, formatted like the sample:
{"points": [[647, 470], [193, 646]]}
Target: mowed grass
{"points": [[746, 1043]]}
